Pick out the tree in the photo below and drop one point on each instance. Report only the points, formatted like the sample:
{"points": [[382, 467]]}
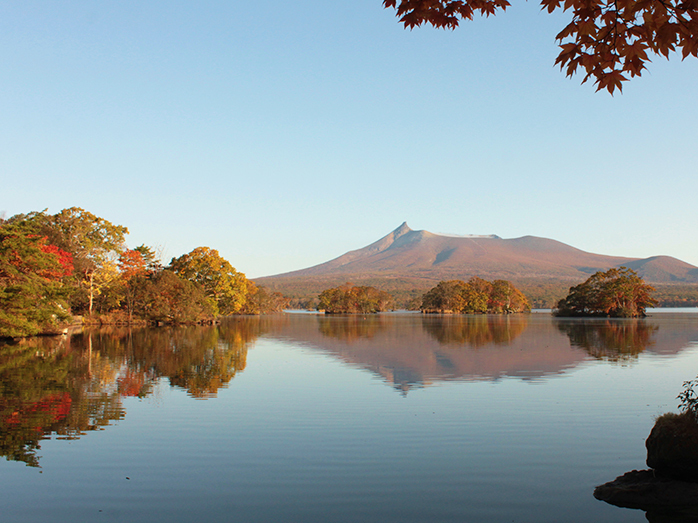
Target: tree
{"points": [[504, 297], [133, 270], [349, 299], [151, 258], [447, 296], [94, 243], [606, 39], [32, 294], [477, 296], [170, 298], [260, 301], [616, 293], [226, 287]]}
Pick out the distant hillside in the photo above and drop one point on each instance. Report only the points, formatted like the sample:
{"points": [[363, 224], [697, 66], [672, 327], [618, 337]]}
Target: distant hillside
{"points": [[407, 262]]}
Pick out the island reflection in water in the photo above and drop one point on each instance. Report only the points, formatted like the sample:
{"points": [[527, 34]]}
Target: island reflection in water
{"points": [[414, 350], [67, 386]]}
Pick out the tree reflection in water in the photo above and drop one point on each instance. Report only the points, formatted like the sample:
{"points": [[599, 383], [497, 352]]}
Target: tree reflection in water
{"points": [[67, 386], [50, 386], [611, 340], [474, 330], [350, 327]]}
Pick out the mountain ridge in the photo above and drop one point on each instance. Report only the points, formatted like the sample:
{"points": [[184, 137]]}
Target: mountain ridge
{"points": [[420, 258]]}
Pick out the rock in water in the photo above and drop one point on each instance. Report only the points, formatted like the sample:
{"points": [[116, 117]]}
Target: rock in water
{"points": [[672, 447], [645, 490]]}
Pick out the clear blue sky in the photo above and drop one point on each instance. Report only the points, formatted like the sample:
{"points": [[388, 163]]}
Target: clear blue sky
{"points": [[285, 133]]}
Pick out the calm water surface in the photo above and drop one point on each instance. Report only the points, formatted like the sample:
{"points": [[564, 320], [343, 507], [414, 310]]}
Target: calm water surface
{"points": [[298, 417]]}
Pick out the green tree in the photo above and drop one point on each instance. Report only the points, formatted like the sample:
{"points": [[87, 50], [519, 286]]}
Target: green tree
{"points": [[138, 270], [616, 293], [609, 40], [133, 270], [151, 258], [94, 243], [477, 295], [32, 295], [226, 287]]}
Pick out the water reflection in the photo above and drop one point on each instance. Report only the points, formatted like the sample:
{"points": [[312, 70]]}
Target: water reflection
{"points": [[412, 351], [47, 385], [199, 360], [67, 386], [612, 340], [474, 330], [352, 327]]}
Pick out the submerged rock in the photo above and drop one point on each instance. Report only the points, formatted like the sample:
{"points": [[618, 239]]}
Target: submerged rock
{"points": [[648, 490]]}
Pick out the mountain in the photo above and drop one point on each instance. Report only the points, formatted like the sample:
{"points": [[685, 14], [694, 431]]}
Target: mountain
{"points": [[405, 260]]}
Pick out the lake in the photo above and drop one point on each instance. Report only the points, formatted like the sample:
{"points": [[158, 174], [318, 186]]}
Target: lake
{"points": [[395, 417]]}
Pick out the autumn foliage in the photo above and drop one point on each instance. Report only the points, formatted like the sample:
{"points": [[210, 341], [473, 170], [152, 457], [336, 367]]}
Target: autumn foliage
{"points": [[616, 293], [132, 264], [476, 296], [65, 259], [32, 294], [606, 40], [75, 263], [350, 299]]}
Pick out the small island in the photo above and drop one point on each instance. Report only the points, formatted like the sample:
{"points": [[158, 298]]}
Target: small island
{"points": [[616, 293], [476, 296], [351, 299]]}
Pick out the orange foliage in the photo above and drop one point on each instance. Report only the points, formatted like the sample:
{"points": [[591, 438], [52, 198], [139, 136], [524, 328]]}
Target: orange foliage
{"points": [[132, 263], [131, 383]]}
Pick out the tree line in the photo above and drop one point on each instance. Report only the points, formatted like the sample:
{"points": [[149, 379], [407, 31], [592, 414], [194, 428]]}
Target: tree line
{"points": [[616, 293], [54, 266], [477, 296]]}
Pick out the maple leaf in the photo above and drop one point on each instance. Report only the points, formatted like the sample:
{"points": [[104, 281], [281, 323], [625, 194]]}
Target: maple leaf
{"points": [[604, 38], [610, 81]]}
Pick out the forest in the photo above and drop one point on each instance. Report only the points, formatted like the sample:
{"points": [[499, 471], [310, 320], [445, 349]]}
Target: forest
{"points": [[72, 263]]}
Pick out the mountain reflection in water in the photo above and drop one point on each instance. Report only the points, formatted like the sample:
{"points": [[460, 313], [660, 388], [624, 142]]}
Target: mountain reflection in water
{"points": [[68, 386], [413, 350]]}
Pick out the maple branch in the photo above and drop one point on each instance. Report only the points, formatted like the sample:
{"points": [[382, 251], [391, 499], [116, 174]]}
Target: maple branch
{"points": [[608, 37]]}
